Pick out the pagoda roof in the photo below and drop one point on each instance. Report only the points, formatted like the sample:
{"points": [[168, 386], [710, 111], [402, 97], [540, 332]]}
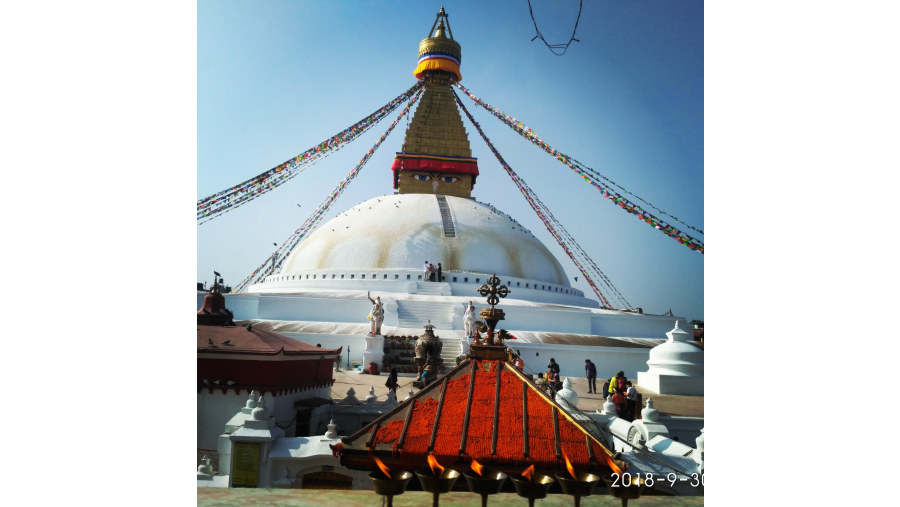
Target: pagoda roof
{"points": [[483, 410], [248, 340]]}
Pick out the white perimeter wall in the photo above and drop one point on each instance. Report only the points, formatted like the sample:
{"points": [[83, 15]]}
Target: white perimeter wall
{"points": [[287, 307], [633, 326], [557, 320], [215, 409], [355, 343]]}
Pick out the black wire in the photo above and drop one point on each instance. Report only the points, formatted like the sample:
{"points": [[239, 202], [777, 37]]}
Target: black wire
{"points": [[554, 47]]}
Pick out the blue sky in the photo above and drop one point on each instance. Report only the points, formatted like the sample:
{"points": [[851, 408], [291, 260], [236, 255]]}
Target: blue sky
{"points": [[276, 78]]}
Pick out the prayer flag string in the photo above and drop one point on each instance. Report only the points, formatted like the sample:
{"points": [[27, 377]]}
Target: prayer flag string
{"points": [[226, 200], [597, 180], [269, 267], [556, 229]]}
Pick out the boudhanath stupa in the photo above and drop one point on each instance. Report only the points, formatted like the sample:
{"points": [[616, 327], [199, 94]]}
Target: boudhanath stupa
{"points": [[324, 288], [332, 288]]}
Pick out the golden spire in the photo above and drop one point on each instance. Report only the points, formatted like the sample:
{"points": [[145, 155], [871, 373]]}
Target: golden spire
{"points": [[436, 157]]}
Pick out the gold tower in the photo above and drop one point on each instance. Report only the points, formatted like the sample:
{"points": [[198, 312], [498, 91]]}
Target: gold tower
{"points": [[436, 157]]}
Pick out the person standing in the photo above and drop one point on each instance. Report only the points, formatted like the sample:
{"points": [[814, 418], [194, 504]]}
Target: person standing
{"points": [[426, 271], [439, 278], [614, 383], [431, 272], [631, 396], [617, 384], [590, 371], [552, 367]]}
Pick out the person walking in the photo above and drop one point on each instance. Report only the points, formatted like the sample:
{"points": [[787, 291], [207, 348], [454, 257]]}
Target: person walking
{"points": [[590, 371], [391, 383], [439, 279]]}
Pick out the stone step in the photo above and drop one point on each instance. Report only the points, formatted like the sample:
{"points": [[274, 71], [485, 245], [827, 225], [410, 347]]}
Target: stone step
{"points": [[446, 217], [416, 314], [452, 349], [430, 288]]}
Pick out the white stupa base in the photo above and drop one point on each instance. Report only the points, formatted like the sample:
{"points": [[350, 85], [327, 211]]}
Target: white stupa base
{"points": [[671, 384]]}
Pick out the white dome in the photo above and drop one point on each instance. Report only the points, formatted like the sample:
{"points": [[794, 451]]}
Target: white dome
{"points": [[675, 356], [402, 231]]}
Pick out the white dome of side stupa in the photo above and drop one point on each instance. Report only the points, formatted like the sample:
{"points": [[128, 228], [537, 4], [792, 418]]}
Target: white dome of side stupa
{"points": [[405, 230], [675, 367]]}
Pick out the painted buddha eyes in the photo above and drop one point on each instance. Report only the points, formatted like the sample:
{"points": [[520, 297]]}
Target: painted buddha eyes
{"points": [[444, 179]]}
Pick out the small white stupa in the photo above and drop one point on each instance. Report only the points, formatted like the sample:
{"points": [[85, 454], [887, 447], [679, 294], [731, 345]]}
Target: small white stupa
{"points": [[566, 396], [676, 366]]}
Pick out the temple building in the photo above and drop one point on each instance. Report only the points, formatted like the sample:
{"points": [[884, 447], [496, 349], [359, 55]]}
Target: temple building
{"points": [[233, 361], [381, 246]]}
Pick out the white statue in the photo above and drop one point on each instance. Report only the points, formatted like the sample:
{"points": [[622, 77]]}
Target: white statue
{"points": [[469, 320], [205, 467], [376, 315]]}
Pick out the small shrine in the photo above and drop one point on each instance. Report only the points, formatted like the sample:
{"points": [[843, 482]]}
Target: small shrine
{"points": [[428, 352]]}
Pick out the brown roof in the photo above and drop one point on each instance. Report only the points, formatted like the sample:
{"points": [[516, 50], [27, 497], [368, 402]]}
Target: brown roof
{"points": [[484, 410], [253, 341]]}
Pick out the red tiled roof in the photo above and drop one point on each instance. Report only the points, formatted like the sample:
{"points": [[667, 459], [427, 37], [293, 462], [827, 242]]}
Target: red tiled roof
{"points": [[484, 410], [253, 341]]}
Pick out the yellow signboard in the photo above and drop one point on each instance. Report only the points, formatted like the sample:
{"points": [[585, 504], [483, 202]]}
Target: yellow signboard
{"points": [[244, 465]]}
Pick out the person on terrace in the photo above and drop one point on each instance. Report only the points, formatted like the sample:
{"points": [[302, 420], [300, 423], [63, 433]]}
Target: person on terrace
{"points": [[590, 371], [391, 383]]}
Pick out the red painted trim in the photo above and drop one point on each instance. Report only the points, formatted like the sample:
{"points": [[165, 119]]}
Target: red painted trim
{"points": [[432, 165], [276, 376]]}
